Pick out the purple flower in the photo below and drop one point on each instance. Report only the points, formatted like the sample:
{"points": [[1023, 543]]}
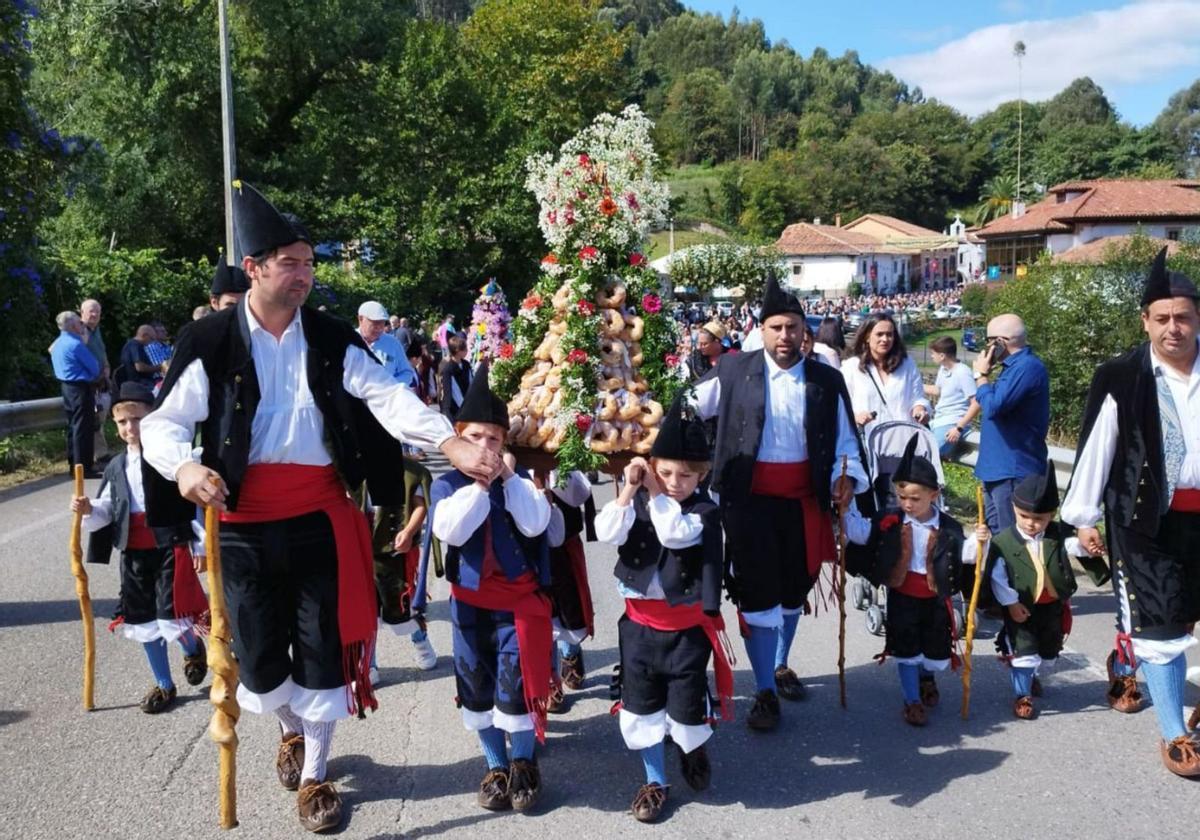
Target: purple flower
{"points": [[14, 142]]}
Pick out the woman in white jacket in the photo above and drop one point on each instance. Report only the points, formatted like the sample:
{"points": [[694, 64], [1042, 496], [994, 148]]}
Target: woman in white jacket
{"points": [[883, 381]]}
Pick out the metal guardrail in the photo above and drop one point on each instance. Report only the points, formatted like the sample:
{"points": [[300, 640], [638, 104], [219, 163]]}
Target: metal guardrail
{"points": [[1064, 459], [31, 416]]}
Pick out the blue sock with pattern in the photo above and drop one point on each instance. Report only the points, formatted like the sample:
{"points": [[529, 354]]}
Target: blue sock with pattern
{"points": [[156, 653], [1166, 684], [1022, 681], [786, 634], [523, 744], [654, 760], [761, 647], [910, 677], [494, 748], [189, 643]]}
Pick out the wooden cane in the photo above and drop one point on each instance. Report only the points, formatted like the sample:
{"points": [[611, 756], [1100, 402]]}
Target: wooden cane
{"points": [[223, 696], [85, 600], [966, 675], [841, 571]]}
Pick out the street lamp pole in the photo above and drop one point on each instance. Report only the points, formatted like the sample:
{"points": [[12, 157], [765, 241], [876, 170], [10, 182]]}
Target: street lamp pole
{"points": [[229, 153]]}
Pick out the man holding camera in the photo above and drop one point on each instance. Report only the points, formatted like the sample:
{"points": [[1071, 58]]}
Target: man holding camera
{"points": [[1016, 416]]}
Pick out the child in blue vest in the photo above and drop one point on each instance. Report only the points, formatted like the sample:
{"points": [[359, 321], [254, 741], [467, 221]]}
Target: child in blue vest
{"points": [[1032, 579], [160, 598], [669, 565], [497, 564]]}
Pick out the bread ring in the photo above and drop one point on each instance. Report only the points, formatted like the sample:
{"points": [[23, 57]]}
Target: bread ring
{"points": [[557, 354], [516, 425], [611, 297], [545, 431], [613, 383], [554, 379], [637, 328], [555, 404], [541, 401], [530, 432], [639, 386], [562, 298], [518, 402], [643, 446], [542, 353], [604, 437], [610, 408], [614, 324], [558, 326], [626, 439], [614, 354], [556, 441], [635, 354], [652, 413], [631, 409], [535, 376]]}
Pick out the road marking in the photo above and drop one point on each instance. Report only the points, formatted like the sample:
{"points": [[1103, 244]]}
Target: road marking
{"points": [[17, 533]]}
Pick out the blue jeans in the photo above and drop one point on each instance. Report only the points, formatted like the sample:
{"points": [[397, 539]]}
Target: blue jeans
{"points": [[997, 504], [947, 451]]}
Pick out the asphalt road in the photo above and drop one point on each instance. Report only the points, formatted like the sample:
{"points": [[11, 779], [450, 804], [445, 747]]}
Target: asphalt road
{"points": [[411, 769]]}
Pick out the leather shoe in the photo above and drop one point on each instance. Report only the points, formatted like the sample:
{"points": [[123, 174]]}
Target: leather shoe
{"points": [[1123, 694], [788, 685], [158, 700], [524, 784], [556, 703], [195, 667], [290, 760], [1023, 708], [319, 805], [649, 801], [914, 714], [764, 714], [1181, 756], [929, 692], [493, 791], [571, 671]]}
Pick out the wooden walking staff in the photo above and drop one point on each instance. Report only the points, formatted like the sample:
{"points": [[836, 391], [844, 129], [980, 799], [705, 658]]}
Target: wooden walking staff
{"points": [[223, 696], [841, 588], [979, 558], [85, 600]]}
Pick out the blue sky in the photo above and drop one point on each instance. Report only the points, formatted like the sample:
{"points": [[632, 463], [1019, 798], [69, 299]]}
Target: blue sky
{"points": [[1139, 51]]}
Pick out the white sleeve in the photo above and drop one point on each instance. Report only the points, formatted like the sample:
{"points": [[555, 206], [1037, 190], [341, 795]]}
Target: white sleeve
{"points": [[860, 397], [394, 405], [916, 387], [459, 515], [1081, 507], [705, 398], [168, 431], [674, 528], [575, 492], [199, 549], [101, 513], [613, 523], [857, 526], [847, 444], [1074, 548], [556, 531], [527, 505], [970, 551], [1001, 588]]}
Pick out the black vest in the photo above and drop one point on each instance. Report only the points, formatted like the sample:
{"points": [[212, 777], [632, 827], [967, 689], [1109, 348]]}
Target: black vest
{"points": [[948, 568], [689, 575], [361, 448], [115, 535], [742, 415]]}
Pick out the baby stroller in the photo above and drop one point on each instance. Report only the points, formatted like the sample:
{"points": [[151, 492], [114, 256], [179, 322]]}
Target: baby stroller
{"points": [[885, 447]]}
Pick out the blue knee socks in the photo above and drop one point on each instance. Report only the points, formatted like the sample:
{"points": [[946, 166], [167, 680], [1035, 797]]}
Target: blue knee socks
{"points": [[568, 649], [156, 653], [786, 634], [1022, 681], [494, 748], [1166, 683], [189, 643], [522, 744], [761, 647], [419, 635], [910, 681], [654, 759]]}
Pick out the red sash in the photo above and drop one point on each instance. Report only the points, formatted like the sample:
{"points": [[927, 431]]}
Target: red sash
{"points": [[794, 481], [271, 492], [187, 596], [916, 585], [535, 633], [1186, 500], [659, 615], [574, 549]]}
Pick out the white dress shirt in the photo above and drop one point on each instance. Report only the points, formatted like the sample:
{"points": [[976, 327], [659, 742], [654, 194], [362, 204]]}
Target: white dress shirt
{"points": [[858, 531], [457, 517], [101, 514], [783, 437], [902, 391], [288, 427], [1002, 587], [573, 494], [674, 529]]}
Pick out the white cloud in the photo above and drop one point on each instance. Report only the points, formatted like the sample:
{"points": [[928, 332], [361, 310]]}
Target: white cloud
{"points": [[1124, 46]]}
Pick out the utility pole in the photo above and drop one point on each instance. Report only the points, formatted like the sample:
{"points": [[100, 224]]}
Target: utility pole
{"points": [[227, 137], [1019, 52]]}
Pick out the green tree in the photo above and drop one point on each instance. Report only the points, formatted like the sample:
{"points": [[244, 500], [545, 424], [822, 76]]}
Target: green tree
{"points": [[1179, 122], [996, 199], [697, 123]]}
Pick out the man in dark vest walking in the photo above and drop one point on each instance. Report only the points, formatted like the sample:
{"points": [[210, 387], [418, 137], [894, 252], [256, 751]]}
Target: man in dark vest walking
{"points": [[782, 429], [292, 408]]}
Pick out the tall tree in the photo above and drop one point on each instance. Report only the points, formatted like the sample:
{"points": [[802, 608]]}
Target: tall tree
{"points": [[1180, 123]]}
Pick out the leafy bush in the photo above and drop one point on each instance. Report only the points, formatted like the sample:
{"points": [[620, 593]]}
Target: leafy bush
{"points": [[975, 298]]}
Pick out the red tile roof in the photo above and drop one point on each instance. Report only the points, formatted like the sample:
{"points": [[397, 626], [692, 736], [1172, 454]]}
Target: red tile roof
{"points": [[901, 227], [1074, 202], [804, 238], [1097, 250]]}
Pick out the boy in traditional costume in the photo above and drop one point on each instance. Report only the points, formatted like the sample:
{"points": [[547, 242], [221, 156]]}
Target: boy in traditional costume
{"points": [[497, 564], [669, 566], [161, 600], [919, 555]]}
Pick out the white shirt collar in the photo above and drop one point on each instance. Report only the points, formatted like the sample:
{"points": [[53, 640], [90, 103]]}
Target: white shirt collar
{"points": [[256, 327], [931, 522], [1026, 538], [796, 371], [1158, 364]]}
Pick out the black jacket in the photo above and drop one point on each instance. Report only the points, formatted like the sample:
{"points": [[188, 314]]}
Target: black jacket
{"points": [[949, 573]]}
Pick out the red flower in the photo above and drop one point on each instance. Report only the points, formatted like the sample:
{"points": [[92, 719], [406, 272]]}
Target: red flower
{"points": [[631, 200], [671, 359], [586, 307], [588, 252], [583, 422], [577, 356], [531, 302], [651, 304], [584, 160], [551, 259], [889, 522], [608, 207], [637, 258], [506, 351]]}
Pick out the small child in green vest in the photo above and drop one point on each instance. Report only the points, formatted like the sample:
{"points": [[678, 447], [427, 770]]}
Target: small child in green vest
{"points": [[1032, 579]]}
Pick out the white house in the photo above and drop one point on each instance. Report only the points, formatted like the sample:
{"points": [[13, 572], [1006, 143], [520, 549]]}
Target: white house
{"points": [[825, 259]]}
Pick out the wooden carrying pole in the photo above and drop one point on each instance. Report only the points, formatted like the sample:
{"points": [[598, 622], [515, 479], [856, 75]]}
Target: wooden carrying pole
{"points": [[979, 563], [223, 696], [85, 600], [841, 590]]}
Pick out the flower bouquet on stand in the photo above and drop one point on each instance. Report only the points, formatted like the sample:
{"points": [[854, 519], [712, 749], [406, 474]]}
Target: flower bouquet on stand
{"points": [[489, 324], [592, 361]]}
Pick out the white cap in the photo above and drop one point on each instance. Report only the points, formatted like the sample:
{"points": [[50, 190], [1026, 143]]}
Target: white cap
{"points": [[373, 310]]}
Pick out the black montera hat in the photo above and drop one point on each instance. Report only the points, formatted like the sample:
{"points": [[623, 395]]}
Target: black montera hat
{"points": [[260, 227], [480, 405], [228, 280], [1162, 284], [680, 438], [1037, 493], [778, 302], [134, 392], [915, 469]]}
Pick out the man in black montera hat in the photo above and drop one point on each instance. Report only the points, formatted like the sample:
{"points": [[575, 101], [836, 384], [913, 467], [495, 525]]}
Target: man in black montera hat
{"points": [[292, 408], [783, 425], [1138, 468]]}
